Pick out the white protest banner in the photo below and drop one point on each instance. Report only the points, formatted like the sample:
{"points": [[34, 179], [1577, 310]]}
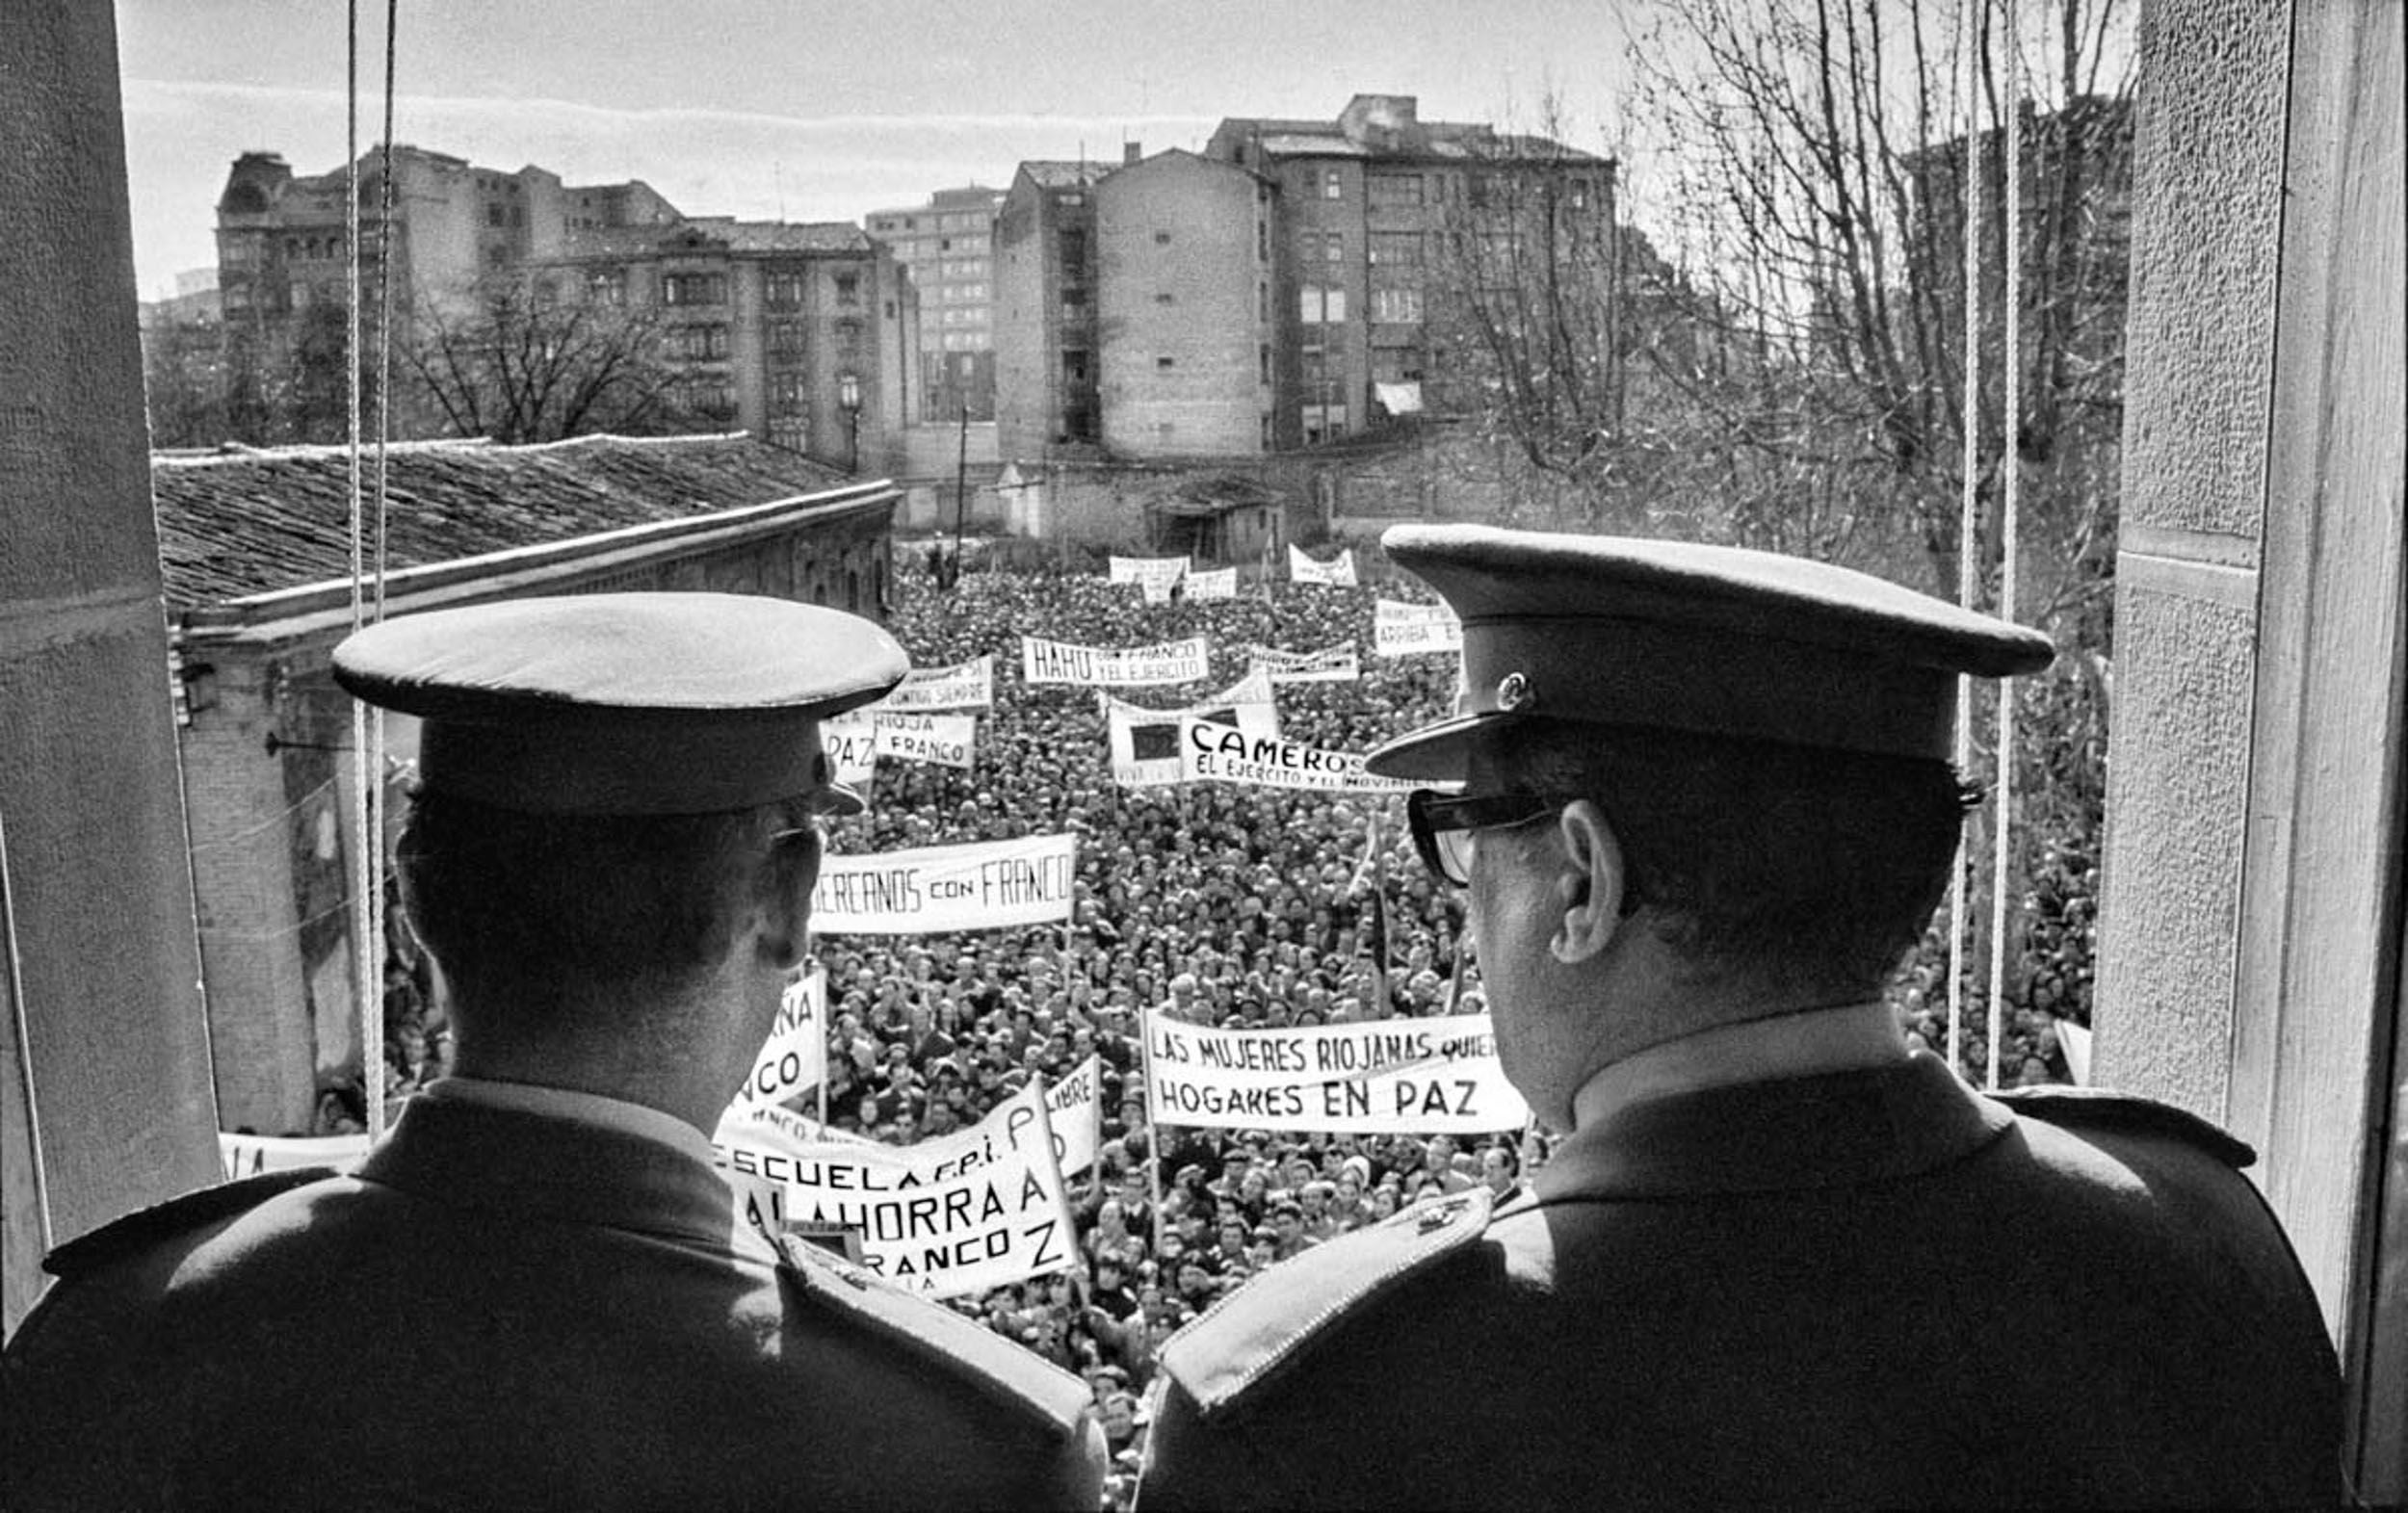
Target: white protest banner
{"points": [[1387, 1076], [1113, 668], [851, 742], [984, 885], [241, 1156], [1331, 665], [794, 1060], [1219, 584], [944, 740], [968, 684], [1404, 630], [1338, 572], [1145, 741], [1148, 572], [983, 1208], [1209, 753], [767, 1126], [1075, 1108]]}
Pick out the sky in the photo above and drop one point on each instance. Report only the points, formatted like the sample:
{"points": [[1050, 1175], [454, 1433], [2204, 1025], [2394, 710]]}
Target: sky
{"points": [[804, 110]]}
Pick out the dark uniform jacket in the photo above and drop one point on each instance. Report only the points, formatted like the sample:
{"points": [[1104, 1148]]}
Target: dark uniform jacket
{"points": [[1871, 1289], [509, 1309]]}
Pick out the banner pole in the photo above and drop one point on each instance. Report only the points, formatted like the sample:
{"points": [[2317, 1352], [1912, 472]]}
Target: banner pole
{"points": [[1153, 1133]]}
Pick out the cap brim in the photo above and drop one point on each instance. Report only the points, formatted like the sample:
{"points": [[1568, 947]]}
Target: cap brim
{"points": [[1438, 754], [837, 798]]}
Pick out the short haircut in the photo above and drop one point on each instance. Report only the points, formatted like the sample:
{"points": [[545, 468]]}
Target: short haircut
{"points": [[540, 911], [1793, 864]]}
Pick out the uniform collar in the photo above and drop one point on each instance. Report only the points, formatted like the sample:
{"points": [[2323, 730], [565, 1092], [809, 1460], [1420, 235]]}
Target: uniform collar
{"points": [[526, 1153], [1837, 1129]]}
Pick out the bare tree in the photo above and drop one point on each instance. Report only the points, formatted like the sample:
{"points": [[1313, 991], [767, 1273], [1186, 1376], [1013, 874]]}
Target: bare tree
{"points": [[1816, 185], [517, 365]]}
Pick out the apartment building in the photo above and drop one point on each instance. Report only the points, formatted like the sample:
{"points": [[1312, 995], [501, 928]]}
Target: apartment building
{"points": [[805, 335], [1046, 396], [1367, 210], [1183, 301], [947, 246]]}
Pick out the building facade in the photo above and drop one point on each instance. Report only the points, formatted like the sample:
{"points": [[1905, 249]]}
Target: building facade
{"points": [[1046, 392], [947, 246], [1183, 300], [1379, 215], [804, 335]]}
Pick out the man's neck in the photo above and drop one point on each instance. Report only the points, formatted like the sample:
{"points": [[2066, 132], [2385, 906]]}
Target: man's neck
{"points": [[1835, 1039]]}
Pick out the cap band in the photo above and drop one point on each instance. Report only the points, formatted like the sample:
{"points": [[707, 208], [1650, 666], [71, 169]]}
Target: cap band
{"points": [[657, 767], [1706, 681]]}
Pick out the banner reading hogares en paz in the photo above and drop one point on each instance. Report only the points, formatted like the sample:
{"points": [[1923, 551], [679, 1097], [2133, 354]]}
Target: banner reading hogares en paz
{"points": [[1388, 1077], [984, 885]]}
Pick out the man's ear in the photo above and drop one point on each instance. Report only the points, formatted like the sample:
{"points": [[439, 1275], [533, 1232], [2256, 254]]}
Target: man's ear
{"points": [[1590, 885], [788, 875]]}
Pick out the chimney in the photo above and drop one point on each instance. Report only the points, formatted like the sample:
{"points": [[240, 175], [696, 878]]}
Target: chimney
{"points": [[1132, 151]]}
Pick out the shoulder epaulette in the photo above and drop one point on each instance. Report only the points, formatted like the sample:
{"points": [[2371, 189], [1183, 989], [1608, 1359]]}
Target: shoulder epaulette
{"points": [[2097, 1108], [178, 1215], [1247, 1336], [1008, 1372]]}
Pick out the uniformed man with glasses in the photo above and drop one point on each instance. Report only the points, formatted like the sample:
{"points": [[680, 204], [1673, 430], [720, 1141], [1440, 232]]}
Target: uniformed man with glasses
{"points": [[1701, 803], [537, 1292]]}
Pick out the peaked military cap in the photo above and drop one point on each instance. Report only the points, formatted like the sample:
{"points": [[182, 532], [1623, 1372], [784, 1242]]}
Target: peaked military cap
{"points": [[1706, 639], [625, 703]]}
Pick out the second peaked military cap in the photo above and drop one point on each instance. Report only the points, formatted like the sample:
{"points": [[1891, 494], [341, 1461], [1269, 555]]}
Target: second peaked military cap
{"points": [[625, 703], [1710, 640]]}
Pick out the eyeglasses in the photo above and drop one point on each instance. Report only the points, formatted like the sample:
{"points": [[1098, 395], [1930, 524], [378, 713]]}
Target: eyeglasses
{"points": [[1442, 826]]}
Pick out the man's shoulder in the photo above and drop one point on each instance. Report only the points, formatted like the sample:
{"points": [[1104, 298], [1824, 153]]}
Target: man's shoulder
{"points": [[186, 1218], [2090, 1111], [1259, 1332], [941, 1343]]}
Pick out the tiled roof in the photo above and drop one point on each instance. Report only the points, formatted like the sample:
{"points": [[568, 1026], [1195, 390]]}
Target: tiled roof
{"points": [[237, 523], [715, 234]]}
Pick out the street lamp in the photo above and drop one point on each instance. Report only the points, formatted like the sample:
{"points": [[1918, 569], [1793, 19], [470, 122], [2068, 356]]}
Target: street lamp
{"points": [[849, 395]]}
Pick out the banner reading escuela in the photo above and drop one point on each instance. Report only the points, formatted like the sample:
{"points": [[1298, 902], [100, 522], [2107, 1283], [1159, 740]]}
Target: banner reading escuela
{"points": [[983, 1208], [1388, 1077], [1044, 661], [984, 885]]}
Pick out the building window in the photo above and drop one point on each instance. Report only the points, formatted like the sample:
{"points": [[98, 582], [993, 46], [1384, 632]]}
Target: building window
{"points": [[785, 338], [1392, 191], [1264, 353], [848, 288], [1396, 364], [697, 343], [1333, 185], [1074, 367], [791, 432], [694, 289], [1162, 239], [1164, 364], [783, 288], [1395, 250], [607, 286], [714, 398], [786, 393], [1397, 306], [1165, 297], [1073, 249], [1320, 306], [1322, 423], [1262, 241]]}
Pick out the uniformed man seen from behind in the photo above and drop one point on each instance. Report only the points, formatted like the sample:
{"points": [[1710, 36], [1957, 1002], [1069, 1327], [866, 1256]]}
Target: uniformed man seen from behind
{"points": [[537, 1292], [1780, 1259]]}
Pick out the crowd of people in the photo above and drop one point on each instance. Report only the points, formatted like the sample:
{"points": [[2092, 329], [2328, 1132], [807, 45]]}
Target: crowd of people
{"points": [[1212, 903]]}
